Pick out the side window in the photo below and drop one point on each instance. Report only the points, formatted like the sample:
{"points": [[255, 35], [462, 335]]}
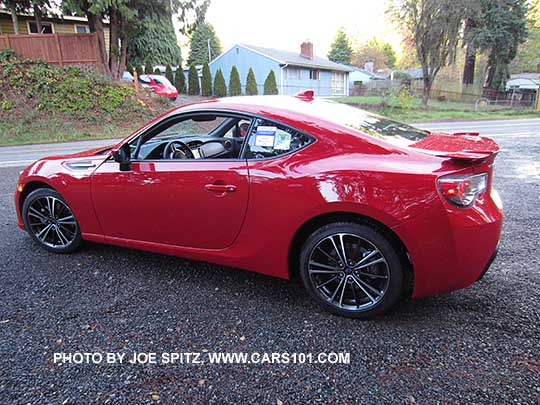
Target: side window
{"points": [[268, 139], [203, 136]]}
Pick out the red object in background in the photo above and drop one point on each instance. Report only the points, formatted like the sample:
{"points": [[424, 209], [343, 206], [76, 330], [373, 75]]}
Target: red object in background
{"points": [[159, 85], [165, 206]]}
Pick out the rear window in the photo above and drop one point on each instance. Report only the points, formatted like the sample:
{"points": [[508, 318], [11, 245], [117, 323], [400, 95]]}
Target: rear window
{"points": [[162, 80], [372, 124]]}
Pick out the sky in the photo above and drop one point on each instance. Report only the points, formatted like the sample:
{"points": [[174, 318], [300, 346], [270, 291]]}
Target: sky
{"points": [[285, 24]]}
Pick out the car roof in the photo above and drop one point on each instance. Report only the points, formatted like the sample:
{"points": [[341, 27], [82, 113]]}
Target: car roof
{"points": [[291, 108]]}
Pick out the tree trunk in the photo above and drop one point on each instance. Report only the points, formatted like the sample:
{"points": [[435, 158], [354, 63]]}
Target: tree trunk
{"points": [[427, 90], [113, 42], [490, 73], [124, 42], [37, 17], [470, 64], [14, 18], [470, 56], [97, 26]]}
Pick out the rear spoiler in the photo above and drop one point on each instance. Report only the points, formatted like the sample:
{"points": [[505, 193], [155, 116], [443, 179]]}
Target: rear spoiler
{"points": [[462, 155], [466, 146]]}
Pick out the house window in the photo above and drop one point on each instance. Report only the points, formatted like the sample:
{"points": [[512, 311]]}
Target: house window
{"points": [[314, 74], [293, 73], [338, 83], [82, 29], [46, 28]]}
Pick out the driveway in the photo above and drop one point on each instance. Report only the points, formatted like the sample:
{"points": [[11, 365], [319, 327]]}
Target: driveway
{"points": [[479, 345]]}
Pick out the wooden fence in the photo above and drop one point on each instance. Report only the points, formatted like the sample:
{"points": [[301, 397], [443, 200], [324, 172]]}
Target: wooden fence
{"points": [[59, 49]]}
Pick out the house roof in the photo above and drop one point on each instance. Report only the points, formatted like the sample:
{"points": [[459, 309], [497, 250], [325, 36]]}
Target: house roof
{"points": [[67, 18], [524, 81], [363, 71], [295, 59], [414, 73]]}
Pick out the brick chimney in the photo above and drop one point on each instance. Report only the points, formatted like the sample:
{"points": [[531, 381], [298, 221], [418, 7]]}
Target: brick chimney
{"points": [[306, 49]]}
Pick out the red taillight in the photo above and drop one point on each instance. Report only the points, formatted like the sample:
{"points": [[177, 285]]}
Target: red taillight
{"points": [[462, 190]]}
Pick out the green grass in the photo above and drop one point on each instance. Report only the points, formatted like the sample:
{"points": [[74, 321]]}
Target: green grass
{"points": [[55, 130], [438, 110]]}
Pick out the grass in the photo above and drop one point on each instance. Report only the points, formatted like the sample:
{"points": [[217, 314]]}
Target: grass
{"points": [[56, 130], [437, 110]]}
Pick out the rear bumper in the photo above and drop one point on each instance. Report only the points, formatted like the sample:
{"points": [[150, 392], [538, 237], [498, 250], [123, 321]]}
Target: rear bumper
{"points": [[491, 259], [450, 247]]}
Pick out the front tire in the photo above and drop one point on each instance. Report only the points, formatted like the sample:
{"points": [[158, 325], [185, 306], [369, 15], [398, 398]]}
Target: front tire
{"points": [[50, 222], [351, 270]]}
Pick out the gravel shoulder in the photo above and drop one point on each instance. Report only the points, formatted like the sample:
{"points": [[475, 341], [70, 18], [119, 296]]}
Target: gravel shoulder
{"points": [[479, 345]]}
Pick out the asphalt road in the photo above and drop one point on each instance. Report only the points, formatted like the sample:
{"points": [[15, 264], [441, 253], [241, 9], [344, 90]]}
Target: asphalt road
{"points": [[479, 345]]}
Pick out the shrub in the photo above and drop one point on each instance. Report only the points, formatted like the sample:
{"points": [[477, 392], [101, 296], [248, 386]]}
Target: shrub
{"points": [[148, 68], [220, 88], [401, 99], [270, 85], [235, 88], [36, 85], [193, 81], [139, 69], [157, 71], [169, 73], [251, 84], [180, 80], [206, 85], [129, 68]]}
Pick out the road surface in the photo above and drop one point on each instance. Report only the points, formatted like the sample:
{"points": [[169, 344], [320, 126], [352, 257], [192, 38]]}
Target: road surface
{"points": [[479, 345]]}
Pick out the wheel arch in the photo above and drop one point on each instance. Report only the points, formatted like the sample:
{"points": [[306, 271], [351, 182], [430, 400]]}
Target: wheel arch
{"points": [[32, 186], [308, 227]]}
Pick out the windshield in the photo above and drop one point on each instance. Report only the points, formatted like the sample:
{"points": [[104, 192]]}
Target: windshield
{"points": [[373, 124]]}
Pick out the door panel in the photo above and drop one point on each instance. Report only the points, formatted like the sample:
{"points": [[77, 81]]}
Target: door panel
{"points": [[198, 204]]}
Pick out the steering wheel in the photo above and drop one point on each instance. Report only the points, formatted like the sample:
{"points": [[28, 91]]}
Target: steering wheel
{"points": [[177, 150]]}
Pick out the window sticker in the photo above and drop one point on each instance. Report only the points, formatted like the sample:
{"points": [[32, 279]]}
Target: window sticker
{"points": [[282, 141], [265, 136]]}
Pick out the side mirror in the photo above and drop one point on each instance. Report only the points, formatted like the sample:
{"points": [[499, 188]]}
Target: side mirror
{"points": [[123, 156]]}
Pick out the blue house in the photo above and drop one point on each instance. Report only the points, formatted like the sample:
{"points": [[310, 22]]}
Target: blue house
{"points": [[294, 71]]}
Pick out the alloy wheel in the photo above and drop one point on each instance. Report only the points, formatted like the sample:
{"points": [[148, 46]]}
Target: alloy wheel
{"points": [[52, 222], [348, 271]]}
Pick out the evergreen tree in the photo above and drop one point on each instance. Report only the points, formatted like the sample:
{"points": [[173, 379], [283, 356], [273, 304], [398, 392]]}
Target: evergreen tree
{"points": [[270, 85], [206, 85], [151, 34], [129, 68], [180, 80], [139, 70], [169, 73], [340, 50], [235, 88], [220, 88], [198, 44], [193, 81], [148, 69], [251, 84]]}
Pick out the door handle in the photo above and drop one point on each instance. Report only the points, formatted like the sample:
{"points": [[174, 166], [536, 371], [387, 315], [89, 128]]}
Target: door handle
{"points": [[221, 188]]}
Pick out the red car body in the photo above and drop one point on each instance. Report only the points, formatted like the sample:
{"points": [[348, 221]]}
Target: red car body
{"points": [[158, 84], [164, 207]]}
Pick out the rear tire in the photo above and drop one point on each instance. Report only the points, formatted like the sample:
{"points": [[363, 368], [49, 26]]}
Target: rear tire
{"points": [[351, 270], [50, 222]]}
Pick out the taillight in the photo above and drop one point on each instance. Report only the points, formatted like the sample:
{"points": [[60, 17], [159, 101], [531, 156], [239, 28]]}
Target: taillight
{"points": [[462, 190]]}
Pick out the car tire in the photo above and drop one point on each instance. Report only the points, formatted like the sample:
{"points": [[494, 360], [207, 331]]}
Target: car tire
{"points": [[370, 281], [49, 221]]}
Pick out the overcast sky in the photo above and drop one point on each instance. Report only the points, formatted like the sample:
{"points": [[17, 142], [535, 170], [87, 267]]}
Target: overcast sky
{"points": [[284, 24]]}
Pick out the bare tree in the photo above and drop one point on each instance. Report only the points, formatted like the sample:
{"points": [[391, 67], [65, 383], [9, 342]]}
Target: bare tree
{"points": [[434, 27]]}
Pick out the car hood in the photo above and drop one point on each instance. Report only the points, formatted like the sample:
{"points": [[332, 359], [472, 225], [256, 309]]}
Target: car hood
{"points": [[460, 145]]}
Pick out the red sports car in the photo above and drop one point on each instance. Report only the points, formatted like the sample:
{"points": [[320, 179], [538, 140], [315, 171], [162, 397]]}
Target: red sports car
{"points": [[363, 208], [160, 85]]}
